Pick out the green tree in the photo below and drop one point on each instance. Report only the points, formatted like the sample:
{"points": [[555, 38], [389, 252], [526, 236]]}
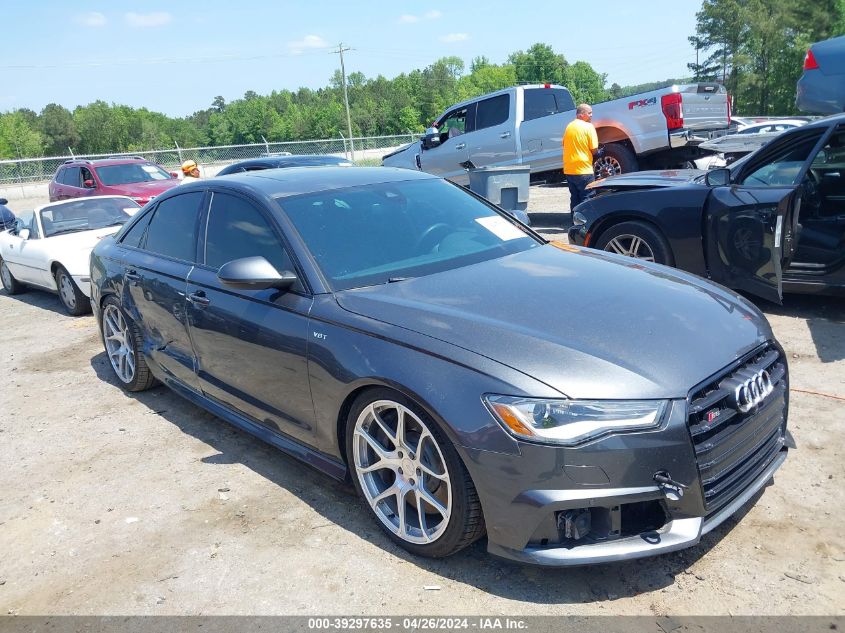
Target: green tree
{"points": [[59, 129], [540, 64], [17, 137], [585, 84]]}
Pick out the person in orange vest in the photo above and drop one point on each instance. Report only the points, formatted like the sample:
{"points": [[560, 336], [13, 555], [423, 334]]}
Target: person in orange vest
{"points": [[580, 146]]}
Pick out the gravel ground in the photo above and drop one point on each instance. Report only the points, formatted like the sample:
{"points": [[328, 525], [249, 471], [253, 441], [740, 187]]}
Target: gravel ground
{"points": [[144, 504]]}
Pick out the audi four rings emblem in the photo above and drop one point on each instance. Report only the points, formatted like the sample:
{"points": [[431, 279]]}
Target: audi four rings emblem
{"points": [[753, 391]]}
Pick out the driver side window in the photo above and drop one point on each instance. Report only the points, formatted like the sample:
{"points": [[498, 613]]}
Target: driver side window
{"points": [[783, 165], [454, 124]]}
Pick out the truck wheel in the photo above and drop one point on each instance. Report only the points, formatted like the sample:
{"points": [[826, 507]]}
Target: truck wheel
{"points": [[638, 240], [617, 159]]}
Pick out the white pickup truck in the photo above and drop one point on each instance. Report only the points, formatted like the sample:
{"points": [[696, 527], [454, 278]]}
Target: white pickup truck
{"points": [[523, 125]]}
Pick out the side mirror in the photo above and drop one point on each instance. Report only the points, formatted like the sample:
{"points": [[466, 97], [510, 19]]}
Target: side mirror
{"points": [[4, 201], [89, 184], [430, 141], [23, 234], [718, 177], [254, 273], [173, 174]]}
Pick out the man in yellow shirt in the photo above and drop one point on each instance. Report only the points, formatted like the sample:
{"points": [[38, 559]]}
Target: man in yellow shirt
{"points": [[580, 144]]}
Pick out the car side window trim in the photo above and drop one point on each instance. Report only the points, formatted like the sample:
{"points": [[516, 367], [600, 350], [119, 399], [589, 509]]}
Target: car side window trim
{"points": [[271, 221], [140, 218], [201, 213]]}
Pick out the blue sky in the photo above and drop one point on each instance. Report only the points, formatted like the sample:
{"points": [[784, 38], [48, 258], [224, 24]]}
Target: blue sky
{"points": [[176, 57]]}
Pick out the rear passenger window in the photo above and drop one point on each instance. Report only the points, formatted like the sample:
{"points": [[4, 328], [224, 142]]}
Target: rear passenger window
{"points": [[539, 103], [172, 231], [71, 177], [237, 229], [492, 111], [564, 100], [133, 236]]}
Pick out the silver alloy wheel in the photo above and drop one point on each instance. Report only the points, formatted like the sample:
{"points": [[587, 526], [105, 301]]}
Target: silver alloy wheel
{"points": [[402, 472], [7, 275], [66, 291], [118, 343], [632, 246], [607, 166]]}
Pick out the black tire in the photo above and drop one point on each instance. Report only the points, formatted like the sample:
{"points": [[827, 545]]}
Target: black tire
{"points": [[72, 298], [142, 379], [12, 285], [617, 159], [466, 522], [651, 236]]}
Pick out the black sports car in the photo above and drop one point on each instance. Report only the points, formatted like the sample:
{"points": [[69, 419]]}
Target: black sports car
{"points": [[740, 225]]}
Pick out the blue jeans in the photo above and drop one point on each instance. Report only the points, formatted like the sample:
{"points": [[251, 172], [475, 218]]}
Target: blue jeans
{"points": [[578, 189]]}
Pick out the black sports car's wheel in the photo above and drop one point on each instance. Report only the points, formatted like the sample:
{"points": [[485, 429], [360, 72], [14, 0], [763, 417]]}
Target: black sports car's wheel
{"points": [[12, 285], [121, 338], [72, 298], [638, 240], [410, 475]]}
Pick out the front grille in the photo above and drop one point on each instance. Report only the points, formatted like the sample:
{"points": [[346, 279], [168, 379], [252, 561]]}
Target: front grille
{"points": [[733, 447]]}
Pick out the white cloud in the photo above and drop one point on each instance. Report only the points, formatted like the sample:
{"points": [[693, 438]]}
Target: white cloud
{"points": [[455, 37], [433, 15], [309, 41], [144, 20], [92, 19], [408, 19]]}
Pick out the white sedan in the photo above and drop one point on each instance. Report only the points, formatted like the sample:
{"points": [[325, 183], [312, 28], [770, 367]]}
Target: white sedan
{"points": [[49, 248]]}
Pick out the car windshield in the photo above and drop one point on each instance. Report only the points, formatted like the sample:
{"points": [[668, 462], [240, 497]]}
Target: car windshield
{"points": [[86, 215], [380, 233], [131, 172]]}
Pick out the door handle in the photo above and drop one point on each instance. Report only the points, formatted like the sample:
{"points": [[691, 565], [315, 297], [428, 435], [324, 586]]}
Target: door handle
{"points": [[199, 299], [133, 277], [504, 135], [460, 145]]}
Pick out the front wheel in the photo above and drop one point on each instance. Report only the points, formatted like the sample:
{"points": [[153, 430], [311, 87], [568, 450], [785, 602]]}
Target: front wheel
{"points": [[72, 298], [12, 285], [638, 240], [410, 476]]}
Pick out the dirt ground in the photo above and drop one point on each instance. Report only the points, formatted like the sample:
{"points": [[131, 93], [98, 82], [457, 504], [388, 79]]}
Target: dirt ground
{"points": [[145, 504]]}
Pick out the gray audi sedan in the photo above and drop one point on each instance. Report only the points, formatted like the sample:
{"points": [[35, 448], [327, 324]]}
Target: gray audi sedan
{"points": [[466, 375]]}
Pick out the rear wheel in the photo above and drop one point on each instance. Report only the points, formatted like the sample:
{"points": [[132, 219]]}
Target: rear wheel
{"points": [[72, 298], [12, 285], [617, 159], [410, 476], [121, 338], [638, 240]]}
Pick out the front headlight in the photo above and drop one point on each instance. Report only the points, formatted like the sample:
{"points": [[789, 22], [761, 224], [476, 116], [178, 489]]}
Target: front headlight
{"points": [[569, 422], [578, 218]]}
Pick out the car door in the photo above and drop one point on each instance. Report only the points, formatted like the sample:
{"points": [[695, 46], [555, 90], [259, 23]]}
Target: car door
{"points": [[448, 158], [751, 225], [70, 184], [542, 126], [250, 345], [157, 260], [492, 141], [29, 257]]}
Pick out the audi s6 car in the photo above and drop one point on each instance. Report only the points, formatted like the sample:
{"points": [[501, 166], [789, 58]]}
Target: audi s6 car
{"points": [[770, 223], [468, 377]]}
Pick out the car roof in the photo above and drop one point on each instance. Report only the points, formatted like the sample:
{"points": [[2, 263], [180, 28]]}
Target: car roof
{"points": [[99, 162], [294, 181], [834, 119]]}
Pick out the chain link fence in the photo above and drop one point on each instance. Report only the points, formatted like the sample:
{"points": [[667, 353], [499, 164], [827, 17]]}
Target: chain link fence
{"points": [[365, 150]]}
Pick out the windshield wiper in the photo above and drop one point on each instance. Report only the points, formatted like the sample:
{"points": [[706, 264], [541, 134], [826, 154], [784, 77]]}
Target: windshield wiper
{"points": [[62, 231]]}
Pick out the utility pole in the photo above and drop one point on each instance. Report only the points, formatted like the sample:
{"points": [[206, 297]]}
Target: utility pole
{"points": [[340, 51]]}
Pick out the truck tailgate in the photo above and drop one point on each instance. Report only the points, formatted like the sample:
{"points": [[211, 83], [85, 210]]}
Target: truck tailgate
{"points": [[705, 107]]}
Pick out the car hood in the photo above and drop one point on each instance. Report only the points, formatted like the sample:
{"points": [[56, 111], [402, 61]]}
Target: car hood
{"points": [[647, 179], [586, 323], [146, 189]]}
